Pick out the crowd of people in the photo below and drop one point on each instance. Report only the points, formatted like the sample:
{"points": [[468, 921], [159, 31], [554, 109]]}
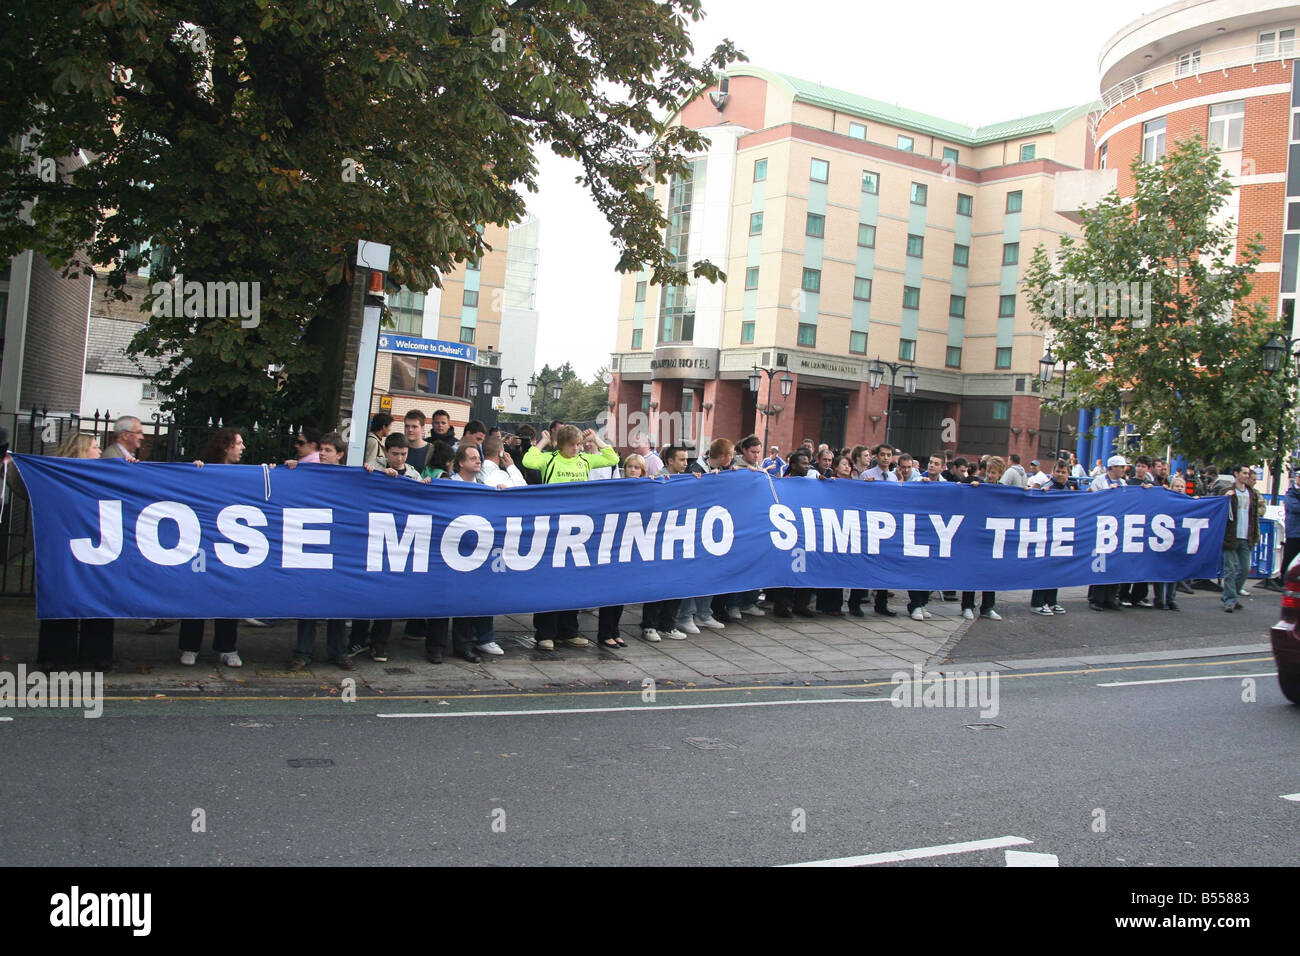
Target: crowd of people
{"points": [[427, 450]]}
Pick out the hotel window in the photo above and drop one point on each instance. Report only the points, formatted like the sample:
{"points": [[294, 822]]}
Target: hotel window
{"points": [[816, 226], [957, 306], [755, 223], [1188, 63], [866, 235], [964, 204], [1295, 127], [960, 255], [760, 170], [431, 376], [746, 333], [1007, 307], [1153, 140], [636, 338], [858, 342], [467, 333], [820, 171], [407, 309], [919, 192], [1226, 121], [807, 334], [640, 291], [1003, 358], [1010, 253], [751, 278], [1015, 200], [952, 358], [470, 298], [676, 313], [916, 246], [907, 350], [906, 142], [1001, 410], [870, 181], [862, 288], [950, 155], [911, 297], [858, 130], [812, 280], [1285, 43], [1101, 155], [1028, 151]]}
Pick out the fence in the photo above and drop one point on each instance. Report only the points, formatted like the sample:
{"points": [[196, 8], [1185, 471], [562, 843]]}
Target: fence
{"points": [[39, 433]]}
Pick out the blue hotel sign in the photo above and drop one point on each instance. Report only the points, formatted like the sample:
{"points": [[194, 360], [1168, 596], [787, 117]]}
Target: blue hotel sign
{"points": [[430, 348]]}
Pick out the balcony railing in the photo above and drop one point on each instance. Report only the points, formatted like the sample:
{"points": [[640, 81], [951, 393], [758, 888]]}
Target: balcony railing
{"points": [[1189, 66]]}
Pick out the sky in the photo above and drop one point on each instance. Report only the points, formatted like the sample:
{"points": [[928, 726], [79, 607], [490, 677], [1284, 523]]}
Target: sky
{"points": [[972, 63]]}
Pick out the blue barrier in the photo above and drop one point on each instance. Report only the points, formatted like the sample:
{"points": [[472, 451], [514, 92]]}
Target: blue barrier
{"points": [[1261, 556]]}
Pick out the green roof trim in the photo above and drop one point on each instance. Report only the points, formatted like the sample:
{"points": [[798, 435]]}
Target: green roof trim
{"points": [[805, 91]]}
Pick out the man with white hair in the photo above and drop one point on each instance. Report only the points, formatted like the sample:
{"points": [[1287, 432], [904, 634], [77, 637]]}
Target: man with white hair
{"points": [[1105, 597], [127, 435]]}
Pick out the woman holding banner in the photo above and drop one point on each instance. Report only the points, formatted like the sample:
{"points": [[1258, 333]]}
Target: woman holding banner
{"points": [[225, 447], [993, 470], [56, 643]]}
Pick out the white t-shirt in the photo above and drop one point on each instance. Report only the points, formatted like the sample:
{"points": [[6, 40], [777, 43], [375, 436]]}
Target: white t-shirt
{"points": [[1243, 513]]}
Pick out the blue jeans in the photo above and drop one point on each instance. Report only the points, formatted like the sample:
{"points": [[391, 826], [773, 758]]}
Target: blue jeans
{"points": [[336, 640], [743, 599], [700, 607], [1236, 566]]}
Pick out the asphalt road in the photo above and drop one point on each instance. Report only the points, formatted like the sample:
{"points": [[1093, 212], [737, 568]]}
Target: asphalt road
{"points": [[1177, 773]]}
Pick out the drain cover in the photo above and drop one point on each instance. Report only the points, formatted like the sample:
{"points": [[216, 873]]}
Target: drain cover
{"points": [[708, 743], [310, 762], [985, 727]]}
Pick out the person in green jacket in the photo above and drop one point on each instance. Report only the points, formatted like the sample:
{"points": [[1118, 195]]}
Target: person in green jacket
{"points": [[566, 463]]}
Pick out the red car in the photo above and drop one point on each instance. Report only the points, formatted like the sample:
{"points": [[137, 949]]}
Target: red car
{"points": [[1286, 637]]}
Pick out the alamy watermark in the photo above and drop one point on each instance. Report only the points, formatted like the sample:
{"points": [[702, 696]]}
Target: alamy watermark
{"points": [[1116, 300], [955, 689], [39, 689], [209, 300]]}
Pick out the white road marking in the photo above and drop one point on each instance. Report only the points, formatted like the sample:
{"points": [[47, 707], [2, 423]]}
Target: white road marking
{"points": [[1022, 858], [921, 853], [1291, 796], [617, 710], [6, 718], [1182, 680]]}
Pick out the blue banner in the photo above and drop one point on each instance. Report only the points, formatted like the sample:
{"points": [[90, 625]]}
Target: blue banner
{"points": [[115, 539]]}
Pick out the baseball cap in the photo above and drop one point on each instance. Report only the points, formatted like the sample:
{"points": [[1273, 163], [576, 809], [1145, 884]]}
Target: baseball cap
{"points": [[1116, 461], [1034, 462]]}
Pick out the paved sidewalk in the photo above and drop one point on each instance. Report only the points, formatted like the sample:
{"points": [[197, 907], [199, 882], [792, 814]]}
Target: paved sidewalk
{"points": [[756, 650]]}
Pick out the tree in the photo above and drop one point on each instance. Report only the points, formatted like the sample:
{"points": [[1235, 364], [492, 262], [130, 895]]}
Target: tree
{"points": [[255, 143], [1150, 312]]}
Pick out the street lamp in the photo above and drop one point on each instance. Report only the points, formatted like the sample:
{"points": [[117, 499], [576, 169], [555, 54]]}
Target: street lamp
{"points": [[876, 377], [1279, 355], [786, 381], [1046, 368], [512, 387], [535, 383]]}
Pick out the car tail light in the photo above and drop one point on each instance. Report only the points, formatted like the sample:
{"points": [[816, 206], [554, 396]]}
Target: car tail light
{"points": [[1291, 600]]}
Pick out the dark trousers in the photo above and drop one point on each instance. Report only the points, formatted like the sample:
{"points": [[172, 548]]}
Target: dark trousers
{"points": [[436, 632], [1166, 593], [224, 634], [555, 625], [336, 640], [858, 595], [1104, 594], [917, 599], [1133, 592], [830, 599], [609, 618], [374, 633], [56, 643], [660, 615], [1044, 596], [469, 632], [987, 600], [787, 599]]}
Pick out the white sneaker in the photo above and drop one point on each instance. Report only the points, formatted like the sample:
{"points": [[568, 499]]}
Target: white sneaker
{"points": [[189, 658], [713, 624], [651, 635], [733, 614], [926, 614], [676, 635], [491, 647], [688, 626], [1057, 609], [917, 615], [754, 611], [991, 615], [1044, 610], [968, 613], [1244, 592], [526, 641], [232, 659]]}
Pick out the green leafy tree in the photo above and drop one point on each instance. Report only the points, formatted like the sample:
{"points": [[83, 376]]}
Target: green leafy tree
{"points": [[1150, 312], [253, 141]]}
